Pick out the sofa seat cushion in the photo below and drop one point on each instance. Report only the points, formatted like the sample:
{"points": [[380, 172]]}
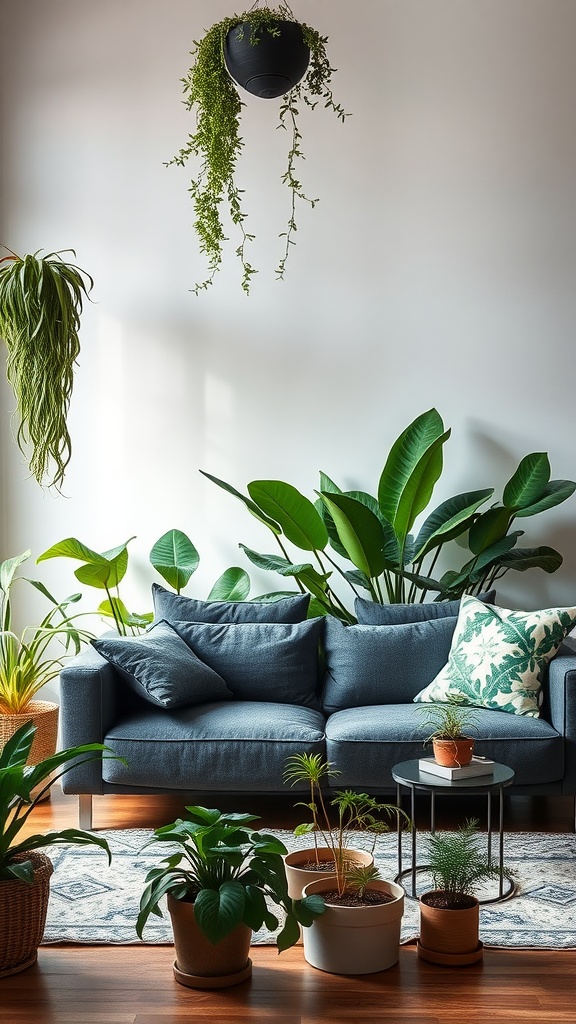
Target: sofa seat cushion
{"points": [[381, 664], [365, 743], [239, 746], [260, 661]]}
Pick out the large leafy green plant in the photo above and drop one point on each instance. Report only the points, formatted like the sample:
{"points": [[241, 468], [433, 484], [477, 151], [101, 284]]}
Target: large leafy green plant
{"points": [[374, 534], [22, 787], [228, 872], [30, 659], [41, 301], [216, 142], [173, 556]]}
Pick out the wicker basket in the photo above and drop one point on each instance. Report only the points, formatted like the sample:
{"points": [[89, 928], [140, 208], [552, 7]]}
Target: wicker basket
{"points": [[44, 715], [23, 908]]}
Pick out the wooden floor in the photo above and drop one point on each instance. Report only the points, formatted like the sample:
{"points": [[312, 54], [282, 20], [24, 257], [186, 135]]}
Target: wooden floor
{"points": [[134, 984]]}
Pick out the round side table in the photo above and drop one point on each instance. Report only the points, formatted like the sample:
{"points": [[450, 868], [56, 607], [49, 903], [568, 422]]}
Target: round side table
{"points": [[408, 774]]}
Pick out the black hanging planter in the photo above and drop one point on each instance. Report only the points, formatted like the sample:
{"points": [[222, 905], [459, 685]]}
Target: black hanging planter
{"points": [[273, 65]]}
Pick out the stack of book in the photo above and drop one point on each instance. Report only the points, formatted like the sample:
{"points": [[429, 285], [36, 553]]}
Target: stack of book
{"points": [[477, 766]]}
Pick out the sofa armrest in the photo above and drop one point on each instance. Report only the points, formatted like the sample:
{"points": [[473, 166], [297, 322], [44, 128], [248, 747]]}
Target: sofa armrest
{"points": [[88, 708], [560, 709]]}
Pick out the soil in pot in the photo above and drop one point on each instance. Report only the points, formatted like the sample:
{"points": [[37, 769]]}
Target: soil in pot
{"points": [[370, 898], [305, 866]]}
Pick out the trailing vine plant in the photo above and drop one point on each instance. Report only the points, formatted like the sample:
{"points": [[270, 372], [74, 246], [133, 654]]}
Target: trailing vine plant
{"points": [[40, 305], [217, 142]]}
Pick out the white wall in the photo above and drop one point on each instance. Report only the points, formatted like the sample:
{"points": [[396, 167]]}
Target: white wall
{"points": [[439, 267]]}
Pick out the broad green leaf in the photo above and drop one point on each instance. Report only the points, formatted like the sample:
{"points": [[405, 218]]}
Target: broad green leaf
{"points": [[272, 563], [528, 482], [391, 551], [329, 524], [411, 471], [449, 519], [532, 558], [554, 494], [328, 485], [359, 531], [72, 548], [488, 528], [294, 513], [250, 505], [104, 574], [493, 553], [232, 585], [219, 911], [175, 558], [8, 570], [357, 579]]}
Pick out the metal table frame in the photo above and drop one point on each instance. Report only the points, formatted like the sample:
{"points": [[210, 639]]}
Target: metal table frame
{"points": [[430, 784]]}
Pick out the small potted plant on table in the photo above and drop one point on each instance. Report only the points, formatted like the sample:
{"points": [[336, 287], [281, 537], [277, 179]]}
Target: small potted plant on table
{"points": [[449, 914], [450, 723], [217, 882]]}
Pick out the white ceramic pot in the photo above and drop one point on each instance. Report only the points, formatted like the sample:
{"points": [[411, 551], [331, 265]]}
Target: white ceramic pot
{"points": [[355, 940], [298, 876]]}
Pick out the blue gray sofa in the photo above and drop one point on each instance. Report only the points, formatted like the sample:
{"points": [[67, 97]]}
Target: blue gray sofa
{"points": [[216, 707]]}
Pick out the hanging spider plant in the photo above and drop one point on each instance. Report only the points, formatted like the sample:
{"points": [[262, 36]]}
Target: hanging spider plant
{"points": [[40, 305]]}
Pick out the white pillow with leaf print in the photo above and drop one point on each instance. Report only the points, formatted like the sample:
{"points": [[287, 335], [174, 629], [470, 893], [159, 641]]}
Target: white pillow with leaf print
{"points": [[497, 656]]}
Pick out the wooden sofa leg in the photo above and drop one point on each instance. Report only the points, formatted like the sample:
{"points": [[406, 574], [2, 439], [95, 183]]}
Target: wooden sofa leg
{"points": [[85, 811]]}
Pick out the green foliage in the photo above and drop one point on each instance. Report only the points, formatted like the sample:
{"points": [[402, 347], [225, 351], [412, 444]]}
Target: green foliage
{"points": [[355, 812], [41, 301], [228, 871], [173, 556], [217, 144], [371, 542], [29, 660], [457, 864], [450, 721], [17, 782]]}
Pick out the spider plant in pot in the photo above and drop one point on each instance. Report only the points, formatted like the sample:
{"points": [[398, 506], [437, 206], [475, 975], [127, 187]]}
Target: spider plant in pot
{"points": [[41, 299], [449, 914], [218, 878], [332, 832], [24, 871], [450, 724], [238, 46], [32, 657]]}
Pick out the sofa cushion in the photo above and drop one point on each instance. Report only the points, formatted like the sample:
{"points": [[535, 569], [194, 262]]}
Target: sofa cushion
{"points": [[260, 661], [381, 664], [364, 744], [497, 657], [228, 747], [371, 613], [176, 608], [160, 667]]}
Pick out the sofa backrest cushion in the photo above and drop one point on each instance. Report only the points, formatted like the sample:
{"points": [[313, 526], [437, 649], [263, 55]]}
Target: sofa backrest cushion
{"points": [[370, 613], [260, 661], [368, 665], [177, 608], [162, 669]]}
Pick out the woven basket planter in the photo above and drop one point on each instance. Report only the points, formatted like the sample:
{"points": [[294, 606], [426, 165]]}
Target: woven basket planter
{"points": [[23, 908], [44, 715]]}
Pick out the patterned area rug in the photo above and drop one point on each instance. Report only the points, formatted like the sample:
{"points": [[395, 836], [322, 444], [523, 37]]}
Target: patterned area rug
{"points": [[92, 903]]}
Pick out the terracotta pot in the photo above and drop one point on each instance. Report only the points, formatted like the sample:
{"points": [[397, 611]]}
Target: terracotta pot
{"points": [[298, 877], [449, 936], [23, 908], [201, 964], [355, 940], [453, 753], [271, 67]]}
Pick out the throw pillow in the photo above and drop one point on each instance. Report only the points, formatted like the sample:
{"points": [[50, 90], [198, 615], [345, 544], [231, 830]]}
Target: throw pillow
{"points": [[497, 657], [260, 661], [370, 613], [160, 667], [368, 665], [176, 608]]}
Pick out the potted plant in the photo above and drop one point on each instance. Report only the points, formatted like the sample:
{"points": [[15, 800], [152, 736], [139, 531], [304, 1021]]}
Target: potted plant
{"points": [[41, 301], [333, 852], [218, 881], [450, 724], [24, 872], [29, 659], [449, 914], [216, 141]]}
